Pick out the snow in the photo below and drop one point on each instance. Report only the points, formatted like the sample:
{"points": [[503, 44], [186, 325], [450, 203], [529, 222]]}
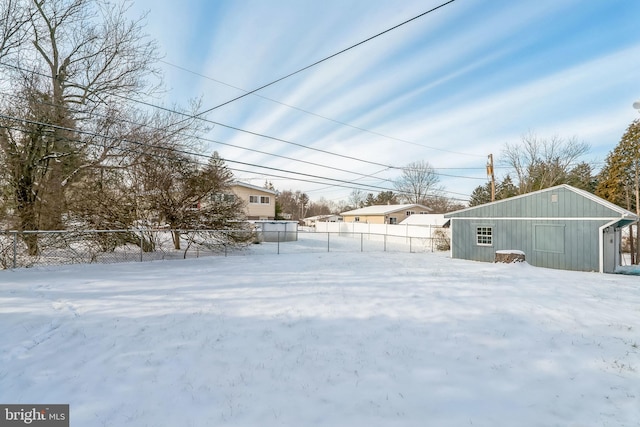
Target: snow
{"points": [[322, 339], [510, 251]]}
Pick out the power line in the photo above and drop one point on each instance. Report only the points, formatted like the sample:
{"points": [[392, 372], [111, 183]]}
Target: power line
{"points": [[189, 116], [231, 145], [328, 57], [171, 149], [372, 132], [340, 183]]}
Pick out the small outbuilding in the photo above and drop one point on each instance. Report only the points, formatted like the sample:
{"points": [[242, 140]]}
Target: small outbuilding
{"points": [[560, 227]]}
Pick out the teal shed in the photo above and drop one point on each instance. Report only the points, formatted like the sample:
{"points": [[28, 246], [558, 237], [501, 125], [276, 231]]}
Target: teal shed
{"points": [[559, 227]]}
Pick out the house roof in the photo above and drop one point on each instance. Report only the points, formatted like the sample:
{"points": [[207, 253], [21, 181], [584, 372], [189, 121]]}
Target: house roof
{"points": [[428, 219], [611, 206], [383, 209], [317, 217], [253, 187]]}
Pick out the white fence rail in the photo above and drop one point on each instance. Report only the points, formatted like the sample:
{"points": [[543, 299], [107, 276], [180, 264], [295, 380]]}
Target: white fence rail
{"points": [[420, 231]]}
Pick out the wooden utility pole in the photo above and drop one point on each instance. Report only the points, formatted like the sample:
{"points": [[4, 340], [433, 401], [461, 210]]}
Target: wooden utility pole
{"points": [[491, 175]]}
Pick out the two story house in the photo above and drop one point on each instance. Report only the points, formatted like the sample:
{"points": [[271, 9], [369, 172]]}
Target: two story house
{"points": [[260, 202]]}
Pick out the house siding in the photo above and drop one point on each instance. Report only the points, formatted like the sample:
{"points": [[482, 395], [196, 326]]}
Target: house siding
{"points": [[256, 210], [371, 219], [383, 218]]}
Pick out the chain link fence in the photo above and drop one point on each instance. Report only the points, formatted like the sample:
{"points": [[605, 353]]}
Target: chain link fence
{"points": [[40, 248], [30, 248]]}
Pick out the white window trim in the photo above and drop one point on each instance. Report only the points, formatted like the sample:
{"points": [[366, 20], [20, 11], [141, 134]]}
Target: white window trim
{"points": [[484, 236], [259, 200]]}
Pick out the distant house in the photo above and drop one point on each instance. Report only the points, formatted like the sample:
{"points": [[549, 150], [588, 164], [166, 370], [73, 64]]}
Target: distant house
{"points": [[384, 214], [560, 227], [260, 202], [312, 220]]}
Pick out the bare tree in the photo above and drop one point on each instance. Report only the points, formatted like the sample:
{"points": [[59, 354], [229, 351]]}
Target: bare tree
{"points": [[442, 204], [14, 18], [28, 151], [357, 199], [542, 163], [186, 195], [78, 68], [417, 183]]}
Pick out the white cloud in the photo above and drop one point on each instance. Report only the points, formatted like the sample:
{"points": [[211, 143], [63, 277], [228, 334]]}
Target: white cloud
{"points": [[466, 79]]}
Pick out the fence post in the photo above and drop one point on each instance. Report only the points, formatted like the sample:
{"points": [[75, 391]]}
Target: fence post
{"points": [[15, 248], [431, 236]]}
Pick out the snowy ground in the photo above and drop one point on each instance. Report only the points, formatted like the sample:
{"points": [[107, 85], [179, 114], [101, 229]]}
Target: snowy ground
{"points": [[323, 339]]}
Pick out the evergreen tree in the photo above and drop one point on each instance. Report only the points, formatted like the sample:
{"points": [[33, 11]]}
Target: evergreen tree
{"points": [[506, 188], [386, 198], [619, 180], [370, 200], [480, 195]]}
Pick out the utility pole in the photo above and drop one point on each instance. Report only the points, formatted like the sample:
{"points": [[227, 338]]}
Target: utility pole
{"points": [[491, 175]]}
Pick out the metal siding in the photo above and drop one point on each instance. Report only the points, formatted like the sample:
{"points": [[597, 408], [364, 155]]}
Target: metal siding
{"points": [[581, 233], [580, 242], [569, 204]]}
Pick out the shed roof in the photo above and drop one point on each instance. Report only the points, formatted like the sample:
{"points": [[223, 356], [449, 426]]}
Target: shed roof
{"points": [[383, 209], [613, 209]]}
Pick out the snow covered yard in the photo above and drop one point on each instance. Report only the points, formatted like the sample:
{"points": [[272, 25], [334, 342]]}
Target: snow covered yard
{"points": [[324, 339]]}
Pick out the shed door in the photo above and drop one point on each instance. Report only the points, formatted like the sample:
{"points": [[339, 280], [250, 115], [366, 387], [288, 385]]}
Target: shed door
{"points": [[609, 250]]}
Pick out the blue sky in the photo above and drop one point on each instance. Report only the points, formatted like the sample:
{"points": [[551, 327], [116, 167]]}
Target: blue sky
{"points": [[448, 88]]}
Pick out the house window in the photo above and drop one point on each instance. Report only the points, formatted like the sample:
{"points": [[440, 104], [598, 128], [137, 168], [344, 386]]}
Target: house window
{"points": [[393, 220], [260, 200], [356, 219], [484, 236], [219, 197], [409, 213]]}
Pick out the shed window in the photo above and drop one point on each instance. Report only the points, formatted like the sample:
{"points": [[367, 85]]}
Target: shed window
{"points": [[484, 236]]}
